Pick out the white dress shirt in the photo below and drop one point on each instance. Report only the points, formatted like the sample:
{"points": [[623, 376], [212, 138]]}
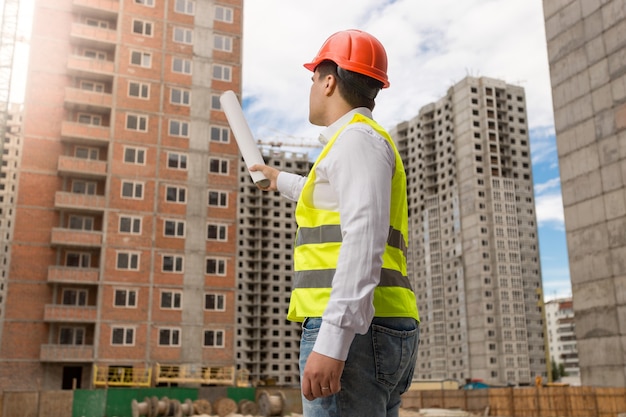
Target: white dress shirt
{"points": [[355, 179]]}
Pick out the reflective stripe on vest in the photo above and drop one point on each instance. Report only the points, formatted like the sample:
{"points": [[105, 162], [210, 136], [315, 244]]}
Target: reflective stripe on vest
{"points": [[332, 233], [318, 243], [323, 278]]}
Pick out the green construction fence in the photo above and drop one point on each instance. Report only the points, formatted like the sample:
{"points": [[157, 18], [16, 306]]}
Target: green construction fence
{"points": [[116, 402]]}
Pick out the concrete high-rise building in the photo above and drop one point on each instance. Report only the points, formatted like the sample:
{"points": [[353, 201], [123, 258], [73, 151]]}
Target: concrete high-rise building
{"points": [[562, 338], [473, 246], [267, 344], [587, 56], [11, 150], [122, 261]]}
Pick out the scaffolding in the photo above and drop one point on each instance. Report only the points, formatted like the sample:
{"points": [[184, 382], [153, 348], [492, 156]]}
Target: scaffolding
{"points": [[121, 376], [188, 373]]}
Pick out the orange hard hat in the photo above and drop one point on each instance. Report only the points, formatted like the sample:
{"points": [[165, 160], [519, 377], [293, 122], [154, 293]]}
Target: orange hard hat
{"points": [[356, 51]]}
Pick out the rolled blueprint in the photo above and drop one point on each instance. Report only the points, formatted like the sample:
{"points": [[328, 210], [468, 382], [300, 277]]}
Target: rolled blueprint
{"points": [[243, 136]]}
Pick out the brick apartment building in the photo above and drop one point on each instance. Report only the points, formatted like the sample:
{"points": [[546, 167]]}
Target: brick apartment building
{"points": [[124, 237]]}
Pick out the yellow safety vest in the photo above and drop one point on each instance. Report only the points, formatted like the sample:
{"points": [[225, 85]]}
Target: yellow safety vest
{"points": [[318, 241]]}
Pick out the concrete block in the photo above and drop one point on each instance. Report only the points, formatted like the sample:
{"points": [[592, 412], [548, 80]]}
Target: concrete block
{"points": [[592, 211], [581, 188], [615, 37], [593, 25], [551, 7], [202, 76], [568, 41], [599, 73], [612, 176], [596, 337], [620, 295], [615, 209], [604, 123], [618, 88], [594, 300], [580, 162], [576, 112], [601, 98], [590, 267], [618, 257], [564, 68], [617, 63], [589, 6], [613, 12], [585, 241], [620, 117], [573, 88], [608, 150], [203, 45], [566, 16], [621, 311], [603, 376], [575, 137]]}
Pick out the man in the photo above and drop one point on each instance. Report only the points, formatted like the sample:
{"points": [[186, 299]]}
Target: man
{"points": [[351, 291]]}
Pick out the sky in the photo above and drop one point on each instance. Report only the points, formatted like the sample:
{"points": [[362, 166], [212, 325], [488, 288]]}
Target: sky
{"points": [[431, 45]]}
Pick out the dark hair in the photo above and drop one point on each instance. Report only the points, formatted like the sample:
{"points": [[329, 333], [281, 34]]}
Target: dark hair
{"points": [[357, 89]]}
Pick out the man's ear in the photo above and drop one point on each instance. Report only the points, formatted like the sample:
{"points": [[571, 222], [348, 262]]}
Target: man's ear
{"points": [[330, 84]]}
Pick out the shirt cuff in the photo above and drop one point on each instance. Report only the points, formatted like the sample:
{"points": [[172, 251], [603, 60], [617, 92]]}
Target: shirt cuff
{"points": [[287, 185], [333, 341]]}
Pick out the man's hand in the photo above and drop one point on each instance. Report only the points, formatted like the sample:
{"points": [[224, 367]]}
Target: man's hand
{"points": [[321, 376], [269, 173]]}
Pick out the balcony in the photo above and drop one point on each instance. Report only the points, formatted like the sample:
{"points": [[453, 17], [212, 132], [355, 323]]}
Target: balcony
{"points": [[87, 134], [70, 313], [85, 168], [66, 353], [65, 274], [97, 8], [70, 237], [93, 36], [84, 202], [99, 69], [88, 101]]}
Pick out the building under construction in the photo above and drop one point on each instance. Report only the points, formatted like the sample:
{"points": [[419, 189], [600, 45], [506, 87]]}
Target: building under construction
{"points": [[473, 243], [268, 344], [587, 57], [121, 268]]}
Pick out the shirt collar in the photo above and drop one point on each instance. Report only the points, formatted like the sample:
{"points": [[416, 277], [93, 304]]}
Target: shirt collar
{"points": [[330, 131]]}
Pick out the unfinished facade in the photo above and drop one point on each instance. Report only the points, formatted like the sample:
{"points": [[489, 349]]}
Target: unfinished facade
{"points": [[11, 151], [267, 344], [473, 246], [122, 262], [587, 56]]}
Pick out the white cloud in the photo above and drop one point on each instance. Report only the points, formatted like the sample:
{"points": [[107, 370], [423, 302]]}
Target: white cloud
{"points": [[549, 185], [543, 146], [430, 44], [549, 204]]}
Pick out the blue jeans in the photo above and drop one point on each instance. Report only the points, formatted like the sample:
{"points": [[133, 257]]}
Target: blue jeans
{"points": [[379, 368]]}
